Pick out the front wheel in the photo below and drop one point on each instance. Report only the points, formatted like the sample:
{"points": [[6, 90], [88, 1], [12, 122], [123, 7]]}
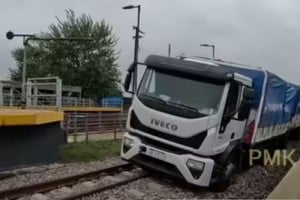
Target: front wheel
{"points": [[224, 178]]}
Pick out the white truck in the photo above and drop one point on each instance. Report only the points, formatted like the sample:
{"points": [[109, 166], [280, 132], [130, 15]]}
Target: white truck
{"points": [[196, 119]]}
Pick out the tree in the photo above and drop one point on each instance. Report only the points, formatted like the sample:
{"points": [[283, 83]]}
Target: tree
{"points": [[90, 64]]}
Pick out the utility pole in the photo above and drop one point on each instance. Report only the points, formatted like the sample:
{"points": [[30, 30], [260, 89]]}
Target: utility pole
{"points": [[169, 50], [136, 44]]}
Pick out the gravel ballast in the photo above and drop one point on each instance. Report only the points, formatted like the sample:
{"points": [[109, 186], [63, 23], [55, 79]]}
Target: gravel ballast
{"points": [[54, 171], [256, 182]]}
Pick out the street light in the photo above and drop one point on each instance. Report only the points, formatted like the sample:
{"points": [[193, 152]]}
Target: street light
{"points": [[26, 37], [136, 43], [129, 7], [213, 48]]}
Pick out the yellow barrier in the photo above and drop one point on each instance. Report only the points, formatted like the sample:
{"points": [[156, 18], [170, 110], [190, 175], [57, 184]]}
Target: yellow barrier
{"points": [[18, 117]]}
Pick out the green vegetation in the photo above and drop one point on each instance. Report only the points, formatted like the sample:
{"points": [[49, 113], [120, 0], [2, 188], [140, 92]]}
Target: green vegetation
{"points": [[89, 64], [89, 151]]}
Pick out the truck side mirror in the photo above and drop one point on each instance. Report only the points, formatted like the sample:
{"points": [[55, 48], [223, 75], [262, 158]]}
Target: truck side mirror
{"points": [[246, 104], [127, 82], [248, 93], [245, 109]]}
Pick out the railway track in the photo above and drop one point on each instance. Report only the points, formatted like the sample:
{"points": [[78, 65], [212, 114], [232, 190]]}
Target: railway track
{"points": [[49, 186], [46, 187]]}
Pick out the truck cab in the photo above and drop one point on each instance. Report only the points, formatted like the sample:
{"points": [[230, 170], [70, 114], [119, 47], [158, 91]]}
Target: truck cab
{"points": [[188, 119]]}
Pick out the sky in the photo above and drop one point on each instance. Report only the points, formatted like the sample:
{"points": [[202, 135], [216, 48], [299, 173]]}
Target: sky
{"points": [[263, 33]]}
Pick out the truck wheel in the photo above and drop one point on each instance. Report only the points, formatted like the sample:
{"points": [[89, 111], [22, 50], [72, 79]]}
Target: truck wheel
{"points": [[223, 179], [295, 134], [282, 143], [244, 162]]}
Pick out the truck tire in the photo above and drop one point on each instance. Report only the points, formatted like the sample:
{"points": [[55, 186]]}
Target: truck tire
{"points": [[282, 142], [224, 178], [295, 134], [244, 160]]}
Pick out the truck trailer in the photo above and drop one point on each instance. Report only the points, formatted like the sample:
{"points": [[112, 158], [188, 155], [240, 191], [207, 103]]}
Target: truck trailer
{"points": [[197, 119]]}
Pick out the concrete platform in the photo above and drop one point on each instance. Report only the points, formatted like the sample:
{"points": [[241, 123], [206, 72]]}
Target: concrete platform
{"points": [[29, 137], [23, 117], [289, 186]]}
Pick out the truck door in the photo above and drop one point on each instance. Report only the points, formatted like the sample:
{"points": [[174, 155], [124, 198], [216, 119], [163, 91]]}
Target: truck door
{"points": [[231, 128]]}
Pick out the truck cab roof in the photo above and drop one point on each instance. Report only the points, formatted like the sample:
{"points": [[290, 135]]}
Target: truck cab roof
{"points": [[192, 66]]}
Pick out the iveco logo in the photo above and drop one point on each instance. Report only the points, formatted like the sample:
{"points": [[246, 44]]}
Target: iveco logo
{"points": [[164, 124]]}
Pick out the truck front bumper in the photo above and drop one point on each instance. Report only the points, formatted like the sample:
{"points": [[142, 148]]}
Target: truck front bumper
{"points": [[194, 169]]}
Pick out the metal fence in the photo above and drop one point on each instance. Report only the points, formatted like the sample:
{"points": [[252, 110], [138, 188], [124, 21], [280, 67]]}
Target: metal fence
{"points": [[75, 102], [95, 123], [11, 100], [43, 101]]}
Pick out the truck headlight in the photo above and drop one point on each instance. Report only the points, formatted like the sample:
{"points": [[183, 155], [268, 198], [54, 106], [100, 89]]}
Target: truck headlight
{"points": [[193, 164], [195, 167], [127, 144]]}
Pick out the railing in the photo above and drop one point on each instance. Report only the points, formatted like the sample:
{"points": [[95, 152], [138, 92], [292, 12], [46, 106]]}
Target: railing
{"points": [[45, 101], [11, 100], [95, 123], [75, 101]]}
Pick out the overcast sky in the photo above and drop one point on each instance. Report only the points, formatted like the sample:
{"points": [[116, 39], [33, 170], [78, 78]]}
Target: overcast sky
{"points": [[256, 32]]}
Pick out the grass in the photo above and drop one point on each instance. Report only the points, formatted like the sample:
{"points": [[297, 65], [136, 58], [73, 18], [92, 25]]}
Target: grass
{"points": [[90, 151]]}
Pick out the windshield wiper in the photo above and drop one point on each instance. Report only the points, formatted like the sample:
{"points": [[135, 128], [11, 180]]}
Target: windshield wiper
{"points": [[171, 103], [146, 96], [179, 105]]}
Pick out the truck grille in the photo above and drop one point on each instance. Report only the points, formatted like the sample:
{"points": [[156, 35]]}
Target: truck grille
{"points": [[160, 145], [193, 142]]}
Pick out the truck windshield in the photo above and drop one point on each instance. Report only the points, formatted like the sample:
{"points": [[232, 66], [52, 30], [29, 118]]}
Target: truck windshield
{"points": [[184, 92]]}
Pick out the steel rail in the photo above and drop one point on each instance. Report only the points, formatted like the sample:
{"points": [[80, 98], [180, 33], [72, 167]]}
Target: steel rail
{"points": [[66, 181], [105, 187]]}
